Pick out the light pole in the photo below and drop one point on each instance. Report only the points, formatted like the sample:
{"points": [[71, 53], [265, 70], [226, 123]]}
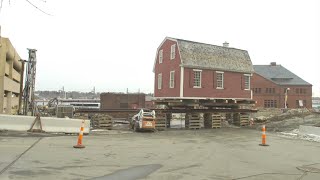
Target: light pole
{"points": [[286, 98]]}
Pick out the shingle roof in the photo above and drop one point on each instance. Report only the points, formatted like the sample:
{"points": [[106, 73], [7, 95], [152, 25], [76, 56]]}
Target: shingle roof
{"points": [[207, 56], [279, 75]]}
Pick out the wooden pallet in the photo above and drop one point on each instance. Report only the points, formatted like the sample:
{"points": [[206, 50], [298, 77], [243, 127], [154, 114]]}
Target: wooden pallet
{"points": [[194, 121], [102, 121], [161, 122], [244, 119], [216, 120], [105, 125], [81, 116]]}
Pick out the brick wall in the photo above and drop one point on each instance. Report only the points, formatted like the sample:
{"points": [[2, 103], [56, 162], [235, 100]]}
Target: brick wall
{"points": [[271, 91], [117, 101]]}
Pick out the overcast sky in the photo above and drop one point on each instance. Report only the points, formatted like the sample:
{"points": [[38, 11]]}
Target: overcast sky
{"points": [[112, 44]]}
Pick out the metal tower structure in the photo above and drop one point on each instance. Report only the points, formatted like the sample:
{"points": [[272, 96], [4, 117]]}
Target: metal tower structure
{"points": [[29, 88]]}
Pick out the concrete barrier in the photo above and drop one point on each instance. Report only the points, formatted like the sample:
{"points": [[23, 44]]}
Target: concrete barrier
{"points": [[309, 130], [49, 124]]}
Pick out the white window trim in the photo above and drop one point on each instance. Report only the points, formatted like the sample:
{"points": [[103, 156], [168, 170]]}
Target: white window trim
{"points": [[248, 75], [160, 82], [181, 81], [220, 72], [173, 52], [161, 56], [171, 85], [197, 70]]}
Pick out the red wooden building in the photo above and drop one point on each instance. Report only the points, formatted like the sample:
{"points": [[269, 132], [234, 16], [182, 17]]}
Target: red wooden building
{"points": [[270, 84], [185, 69]]}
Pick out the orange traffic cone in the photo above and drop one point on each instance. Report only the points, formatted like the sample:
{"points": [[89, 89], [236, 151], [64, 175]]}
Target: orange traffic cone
{"points": [[264, 136], [79, 144]]}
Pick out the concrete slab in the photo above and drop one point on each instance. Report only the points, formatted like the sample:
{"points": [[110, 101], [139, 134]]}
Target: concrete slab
{"points": [[49, 124], [206, 154]]}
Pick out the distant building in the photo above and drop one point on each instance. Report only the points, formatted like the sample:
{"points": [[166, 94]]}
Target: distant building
{"points": [[149, 104], [270, 84], [11, 77], [186, 69], [81, 103], [316, 102], [122, 101]]}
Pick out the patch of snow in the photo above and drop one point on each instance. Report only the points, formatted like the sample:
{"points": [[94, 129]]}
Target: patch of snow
{"points": [[295, 134], [310, 137], [100, 130], [290, 134]]}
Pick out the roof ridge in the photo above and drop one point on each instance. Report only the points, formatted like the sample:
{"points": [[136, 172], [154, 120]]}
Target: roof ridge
{"points": [[178, 39]]}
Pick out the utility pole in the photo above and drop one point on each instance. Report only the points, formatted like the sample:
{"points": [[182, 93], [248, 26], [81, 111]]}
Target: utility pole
{"points": [[64, 93], [30, 82]]}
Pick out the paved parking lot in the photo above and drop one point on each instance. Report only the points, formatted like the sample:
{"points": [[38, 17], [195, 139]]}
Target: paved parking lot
{"points": [[228, 153]]}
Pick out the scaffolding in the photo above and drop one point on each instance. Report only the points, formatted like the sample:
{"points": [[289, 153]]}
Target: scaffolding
{"points": [[29, 105]]}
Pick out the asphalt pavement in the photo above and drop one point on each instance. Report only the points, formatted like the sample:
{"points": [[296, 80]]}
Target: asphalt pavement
{"points": [[227, 153]]}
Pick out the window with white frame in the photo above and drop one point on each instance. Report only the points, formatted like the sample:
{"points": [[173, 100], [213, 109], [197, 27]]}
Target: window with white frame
{"points": [[197, 78], [247, 81], [173, 51], [171, 83], [160, 81], [160, 56], [219, 80]]}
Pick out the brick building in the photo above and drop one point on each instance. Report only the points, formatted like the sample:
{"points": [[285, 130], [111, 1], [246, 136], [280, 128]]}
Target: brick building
{"points": [[149, 104], [186, 69], [270, 83], [122, 101]]}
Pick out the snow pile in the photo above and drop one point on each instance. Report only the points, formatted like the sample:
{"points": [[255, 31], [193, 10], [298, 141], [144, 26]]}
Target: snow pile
{"points": [[295, 134], [310, 137]]}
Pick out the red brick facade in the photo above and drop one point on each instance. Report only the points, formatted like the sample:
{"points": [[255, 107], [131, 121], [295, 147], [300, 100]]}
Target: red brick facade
{"points": [[268, 94], [233, 81]]}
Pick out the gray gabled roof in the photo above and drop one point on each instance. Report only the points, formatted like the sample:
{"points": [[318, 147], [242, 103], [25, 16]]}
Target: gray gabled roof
{"points": [[207, 56], [279, 75]]}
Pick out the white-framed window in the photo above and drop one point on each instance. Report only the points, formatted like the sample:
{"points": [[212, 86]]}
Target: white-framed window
{"points": [[160, 56], [220, 79], [171, 82], [197, 78], [247, 82], [173, 51], [160, 81]]}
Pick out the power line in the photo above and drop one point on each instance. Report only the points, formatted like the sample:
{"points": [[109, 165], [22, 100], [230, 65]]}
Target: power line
{"points": [[30, 4], [38, 8]]}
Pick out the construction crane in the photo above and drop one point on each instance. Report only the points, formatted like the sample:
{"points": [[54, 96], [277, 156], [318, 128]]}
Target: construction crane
{"points": [[29, 88]]}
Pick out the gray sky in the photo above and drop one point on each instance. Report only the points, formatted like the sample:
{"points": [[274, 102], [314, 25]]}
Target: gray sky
{"points": [[112, 44]]}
